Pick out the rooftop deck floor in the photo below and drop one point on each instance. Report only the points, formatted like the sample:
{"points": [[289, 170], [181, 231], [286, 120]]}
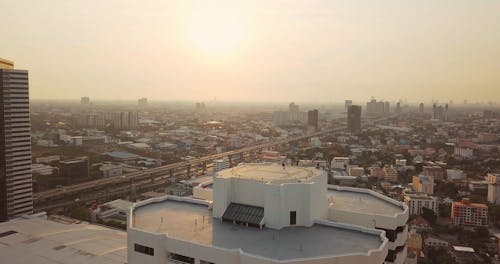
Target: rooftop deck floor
{"points": [[49, 242], [191, 222], [362, 203]]}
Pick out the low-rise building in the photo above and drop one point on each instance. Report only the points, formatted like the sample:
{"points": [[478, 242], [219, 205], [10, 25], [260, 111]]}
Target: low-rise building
{"points": [[390, 174], [418, 200], [340, 163], [454, 175], [376, 172], [436, 172], [75, 169], [356, 171], [463, 152], [423, 183], [48, 159], [466, 213], [111, 170], [42, 169], [478, 186], [414, 243], [435, 242]]}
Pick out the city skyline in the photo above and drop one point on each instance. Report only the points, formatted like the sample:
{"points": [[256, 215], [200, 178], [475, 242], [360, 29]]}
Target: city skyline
{"points": [[322, 51]]}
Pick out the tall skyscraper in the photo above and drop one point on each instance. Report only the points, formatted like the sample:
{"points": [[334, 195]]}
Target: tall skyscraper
{"points": [[440, 113], [354, 119], [313, 118], [398, 108], [85, 100], [142, 101], [125, 120], [16, 188], [347, 104], [421, 108]]}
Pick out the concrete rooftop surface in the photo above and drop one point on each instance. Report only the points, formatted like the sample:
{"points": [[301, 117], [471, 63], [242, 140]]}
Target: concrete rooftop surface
{"points": [[43, 241], [194, 223], [273, 173], [362, 203]]}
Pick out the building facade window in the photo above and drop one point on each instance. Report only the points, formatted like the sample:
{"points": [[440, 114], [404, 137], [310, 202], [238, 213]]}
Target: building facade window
{"points": [[144, 249]]}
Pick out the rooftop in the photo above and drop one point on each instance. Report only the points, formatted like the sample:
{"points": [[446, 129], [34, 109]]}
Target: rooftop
{"points": [[6, 64], [468, 203], [121, 155], [355, 201], [272, 173], [49, 242], [194, 223]]}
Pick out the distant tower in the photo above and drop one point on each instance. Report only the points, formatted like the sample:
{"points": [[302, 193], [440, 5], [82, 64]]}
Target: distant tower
{"points": [[142, 101], [398, 107], [421, 108], [348, 103], [354, 119], [434, 111], [85, 100], [445, 114], [313, 118]]}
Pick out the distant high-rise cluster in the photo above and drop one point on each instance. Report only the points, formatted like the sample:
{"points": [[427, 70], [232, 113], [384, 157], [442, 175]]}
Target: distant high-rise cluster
{"points": [[375, 107], [354, 119], [490, 114], [125, 120], [142, 101], [85, 100], [200, 107], [92, 120], [16, 186], [293, 115], [440, 112]]}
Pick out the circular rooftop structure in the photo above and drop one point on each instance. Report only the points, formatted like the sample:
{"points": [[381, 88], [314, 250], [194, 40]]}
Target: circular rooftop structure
{"points": [[270, 173]]}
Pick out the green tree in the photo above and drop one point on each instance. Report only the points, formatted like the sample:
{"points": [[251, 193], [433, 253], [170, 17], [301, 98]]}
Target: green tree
{"points": [[429, 215]]}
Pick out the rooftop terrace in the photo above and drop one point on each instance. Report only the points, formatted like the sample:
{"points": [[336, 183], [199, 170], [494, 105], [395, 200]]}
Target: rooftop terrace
{"points": [[355, 201], [54, 242], [192, 222], [272, 173]]}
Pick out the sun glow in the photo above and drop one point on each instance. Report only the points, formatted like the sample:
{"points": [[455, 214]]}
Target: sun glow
{"points": [[217, 30]]}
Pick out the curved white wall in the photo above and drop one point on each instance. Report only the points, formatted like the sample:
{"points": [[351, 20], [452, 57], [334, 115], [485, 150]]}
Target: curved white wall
{"points": [[307, 199]]}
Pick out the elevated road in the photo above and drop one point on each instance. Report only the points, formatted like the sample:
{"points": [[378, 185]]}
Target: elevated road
{"points": [[149, 173], [97, 189]]}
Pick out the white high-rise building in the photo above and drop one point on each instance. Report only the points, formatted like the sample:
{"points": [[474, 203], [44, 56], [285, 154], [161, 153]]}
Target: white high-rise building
{"points": [[267, 213], [125, 120], [16, 188], [493, 188], [418, 200], [220, 164]]}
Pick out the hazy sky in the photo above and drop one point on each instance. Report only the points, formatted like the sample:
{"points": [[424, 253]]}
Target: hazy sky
{"points": [[290, 50]]}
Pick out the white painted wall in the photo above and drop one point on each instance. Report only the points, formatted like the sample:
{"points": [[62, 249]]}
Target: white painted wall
{"points": [[163, 245], [307, 199]]}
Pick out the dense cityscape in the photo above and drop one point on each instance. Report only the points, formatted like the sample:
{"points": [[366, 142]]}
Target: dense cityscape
{"points": [[249, 132]]}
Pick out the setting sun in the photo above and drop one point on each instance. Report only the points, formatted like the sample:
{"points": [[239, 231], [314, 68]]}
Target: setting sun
{"points": [[217, 30]]}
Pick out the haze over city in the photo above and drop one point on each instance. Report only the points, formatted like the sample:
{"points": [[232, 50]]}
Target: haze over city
{"points": [[322, 51], [250, 132]]}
